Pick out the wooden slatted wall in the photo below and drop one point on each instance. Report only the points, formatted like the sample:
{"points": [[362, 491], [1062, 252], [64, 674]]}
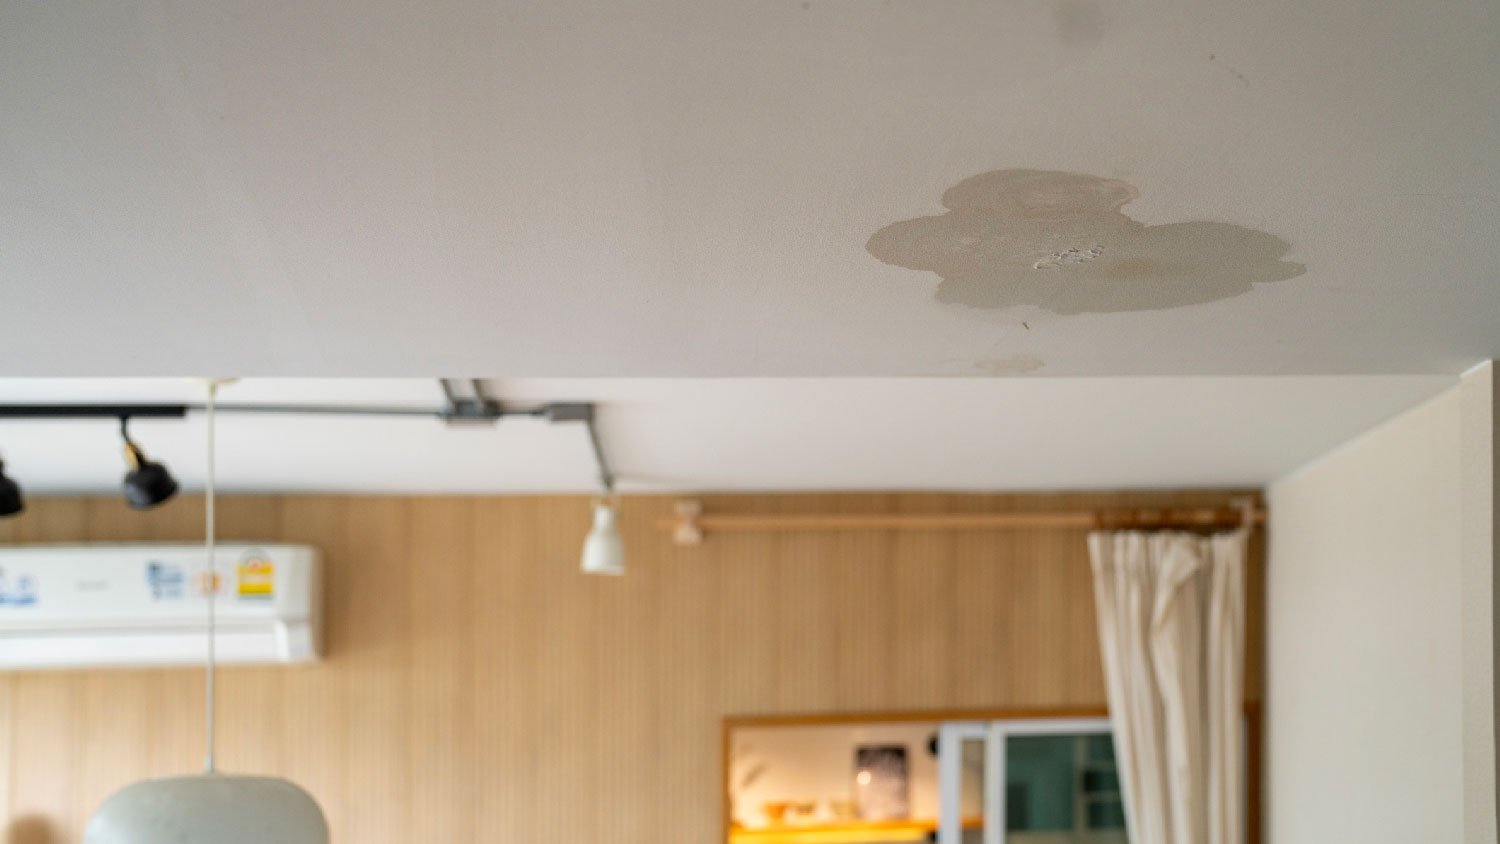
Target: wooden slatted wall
{"points": [[479, 688]]}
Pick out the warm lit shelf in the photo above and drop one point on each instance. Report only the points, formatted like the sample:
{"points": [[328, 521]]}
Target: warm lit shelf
{"points": [[854, 832]]}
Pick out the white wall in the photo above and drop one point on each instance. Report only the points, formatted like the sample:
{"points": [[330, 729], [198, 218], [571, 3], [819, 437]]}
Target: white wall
{"points": [[1366, 621], [1481, 555]]}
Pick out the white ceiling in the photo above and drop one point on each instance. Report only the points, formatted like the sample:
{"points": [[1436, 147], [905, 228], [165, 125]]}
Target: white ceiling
{"points": [[686, 188], [723, 434]]}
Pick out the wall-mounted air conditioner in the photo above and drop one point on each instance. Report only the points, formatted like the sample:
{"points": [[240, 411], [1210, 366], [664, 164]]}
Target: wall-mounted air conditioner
{"points": [[84, 606]]}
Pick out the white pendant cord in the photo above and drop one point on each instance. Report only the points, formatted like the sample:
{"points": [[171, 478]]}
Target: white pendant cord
{"points": [[213, 584]]}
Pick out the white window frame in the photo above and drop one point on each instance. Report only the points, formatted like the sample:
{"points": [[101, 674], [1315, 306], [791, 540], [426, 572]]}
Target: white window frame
{"points": [[951, 737]]}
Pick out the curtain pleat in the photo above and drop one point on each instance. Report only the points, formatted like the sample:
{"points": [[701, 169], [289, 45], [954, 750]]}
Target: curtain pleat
{"points": [[1171, 633]]}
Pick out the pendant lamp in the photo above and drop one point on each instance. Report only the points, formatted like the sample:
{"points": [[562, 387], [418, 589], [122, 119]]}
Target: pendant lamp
{"points": [[211, 807]]}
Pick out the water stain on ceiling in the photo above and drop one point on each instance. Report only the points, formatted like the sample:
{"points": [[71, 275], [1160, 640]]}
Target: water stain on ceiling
{"points": [[1059, 241]]}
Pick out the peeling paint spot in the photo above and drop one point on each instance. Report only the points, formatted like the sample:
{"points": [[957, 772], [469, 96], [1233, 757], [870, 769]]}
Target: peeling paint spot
{"points": [[1070, 257], [1010, 365], [1059, 241]]}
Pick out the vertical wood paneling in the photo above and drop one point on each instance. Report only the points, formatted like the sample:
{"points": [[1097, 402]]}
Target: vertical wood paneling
{"points": [[984, 617], [506, 667], [378, 575], [803, 624], [440, 685], [627, 667], [1047, 591], [749, 590], [7, 743], [47, 746], [567, 683], [922, 618], [46, 751], [859, 570], [314, 705], [479, 688], [686, 699]]}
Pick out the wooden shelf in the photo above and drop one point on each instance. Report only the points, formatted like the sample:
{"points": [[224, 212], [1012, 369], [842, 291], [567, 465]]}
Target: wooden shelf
{"points": [[853, 832]]}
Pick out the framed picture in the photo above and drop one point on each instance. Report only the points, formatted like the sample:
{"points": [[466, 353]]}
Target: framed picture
{"points": [[882, 789]]}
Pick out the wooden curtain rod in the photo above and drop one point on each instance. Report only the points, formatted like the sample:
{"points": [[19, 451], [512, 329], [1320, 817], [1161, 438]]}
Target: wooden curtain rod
{"points": [[691, 523]]}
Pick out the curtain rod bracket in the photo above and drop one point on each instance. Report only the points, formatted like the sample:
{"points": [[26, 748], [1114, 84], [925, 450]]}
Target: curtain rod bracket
{"points": [[686, 530], [1248, 512]]}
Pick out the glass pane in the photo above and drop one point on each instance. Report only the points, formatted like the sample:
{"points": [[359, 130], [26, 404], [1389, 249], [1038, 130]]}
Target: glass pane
{"points": [[1062, 789], [971, 792]]}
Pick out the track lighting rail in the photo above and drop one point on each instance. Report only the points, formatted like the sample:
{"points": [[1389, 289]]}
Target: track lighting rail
{"points": [[454, 413], [94, 411], [551, 412], [466, 404]]}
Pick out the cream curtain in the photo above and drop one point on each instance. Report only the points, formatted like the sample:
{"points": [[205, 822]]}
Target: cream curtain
{"points": [[1171, 610]]}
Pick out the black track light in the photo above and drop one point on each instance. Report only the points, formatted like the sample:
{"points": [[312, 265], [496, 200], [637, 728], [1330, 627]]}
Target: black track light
{"points": [[148, 483], [11, 502]]}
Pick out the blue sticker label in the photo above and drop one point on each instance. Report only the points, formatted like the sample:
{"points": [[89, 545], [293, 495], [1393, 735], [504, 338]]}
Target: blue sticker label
{"points": [[17, 592], [166, 581]]}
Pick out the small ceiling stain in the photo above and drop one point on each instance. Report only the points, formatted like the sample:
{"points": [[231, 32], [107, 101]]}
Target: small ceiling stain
{"points": [[1060, 242], [1232, 71], [1010, 365]]}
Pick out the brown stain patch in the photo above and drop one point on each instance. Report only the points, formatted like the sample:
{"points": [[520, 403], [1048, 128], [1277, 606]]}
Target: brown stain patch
{"points": [[1131, 268], [1059, 241]]}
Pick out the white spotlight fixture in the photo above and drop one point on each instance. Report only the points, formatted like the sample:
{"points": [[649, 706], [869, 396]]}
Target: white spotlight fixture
{"points": [[603, 550], [209, 808]]}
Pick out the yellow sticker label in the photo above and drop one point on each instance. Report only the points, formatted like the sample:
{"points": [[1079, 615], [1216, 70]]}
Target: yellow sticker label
{"points": [[256, 576]]}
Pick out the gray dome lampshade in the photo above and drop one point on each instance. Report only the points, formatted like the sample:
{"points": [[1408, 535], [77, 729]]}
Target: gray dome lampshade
{"points": [[208, 809]]}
